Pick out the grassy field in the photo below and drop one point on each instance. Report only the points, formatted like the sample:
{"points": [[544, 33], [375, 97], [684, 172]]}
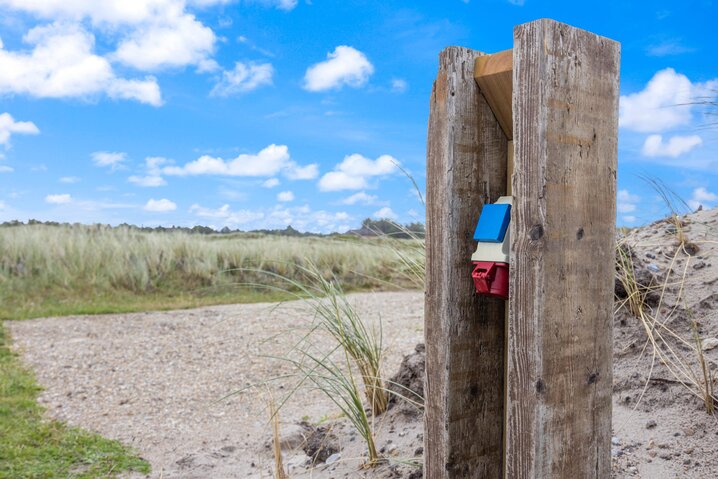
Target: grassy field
{"points": [[59, 270], [62, 270]]}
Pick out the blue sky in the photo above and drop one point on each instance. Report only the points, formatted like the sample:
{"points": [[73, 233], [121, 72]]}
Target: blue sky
{"points": [[264, 113]]}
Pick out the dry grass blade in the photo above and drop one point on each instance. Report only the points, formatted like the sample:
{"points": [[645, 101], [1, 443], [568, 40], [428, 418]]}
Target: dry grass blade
{"points": [[336, 316], [279, 472], [337, 382], [659, 336]]}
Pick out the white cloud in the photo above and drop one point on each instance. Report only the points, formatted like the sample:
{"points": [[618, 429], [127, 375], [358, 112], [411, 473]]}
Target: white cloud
{"points": [[6, 169], [172, 41], [702, 197], [344, 66], [286, 4], [268, 162], [354, 172], [626, 201], [296, 172], [385, 213], [226, 215], [304, 219], [676, 145], [8, 126], [360, 198], [280, 216], [69, 179], [339, 180], [285, 196], [398, 85], [153, 164], [160, 206], [245, 77], [153, 176], [58, 199], [151, 34], [62, 64], [668, 47], [664, 104], [2, 205], [107, 13], [113, 159], [629, 219], [147, 181], [270, 183]]}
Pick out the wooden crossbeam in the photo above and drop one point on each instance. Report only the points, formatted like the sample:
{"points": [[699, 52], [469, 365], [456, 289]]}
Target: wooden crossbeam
{"points": [[494, 74]]}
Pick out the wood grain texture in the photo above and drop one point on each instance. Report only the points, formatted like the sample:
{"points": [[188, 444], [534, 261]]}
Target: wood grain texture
{"points": [[494, 75], [466, 168], [562, 254]]}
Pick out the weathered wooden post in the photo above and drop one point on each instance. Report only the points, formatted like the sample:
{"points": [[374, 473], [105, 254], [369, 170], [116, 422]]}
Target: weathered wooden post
{"points": [[528, 396]]}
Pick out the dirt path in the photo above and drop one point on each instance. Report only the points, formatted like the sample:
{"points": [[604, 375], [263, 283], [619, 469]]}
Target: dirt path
{"points": [[153, 380]]}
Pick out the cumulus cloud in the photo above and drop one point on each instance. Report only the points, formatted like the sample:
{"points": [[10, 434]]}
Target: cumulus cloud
{"points": [[304, 219], [152, 34], [69, 179], [103, 13], [286, 4], [113, 159], [147, 181], [665, 103], [360, 198], [6, 169], [153, 169], [296, 172], [626, 201], [226, 216], [243, 78], [160, 206], [58, 199], [702, 197], [280, 216], [171, 41], [62, 64], [9, 126], [344, 66], [270, 183], [674, 147], [268, 162], [385, 213], [354, 172], [285, 196]]}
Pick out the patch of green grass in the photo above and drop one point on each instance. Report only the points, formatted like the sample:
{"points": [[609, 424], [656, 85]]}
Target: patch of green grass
{"points": [[70, 302], [32, 447]]}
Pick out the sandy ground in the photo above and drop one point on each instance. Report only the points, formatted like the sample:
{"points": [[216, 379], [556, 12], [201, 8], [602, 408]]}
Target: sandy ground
{"points": [[155, 380]]}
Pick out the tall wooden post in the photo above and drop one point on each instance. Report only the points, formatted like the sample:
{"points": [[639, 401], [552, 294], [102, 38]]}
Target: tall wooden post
{"points": [[560, 349], [466, 168], [556, 421]]}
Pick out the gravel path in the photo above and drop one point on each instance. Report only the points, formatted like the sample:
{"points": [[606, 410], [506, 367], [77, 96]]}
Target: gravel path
{"points": [[153, 380]]}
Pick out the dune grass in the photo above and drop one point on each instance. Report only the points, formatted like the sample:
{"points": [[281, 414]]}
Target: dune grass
{"points": [[33, 447], [65, 270], [58, 270]]}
